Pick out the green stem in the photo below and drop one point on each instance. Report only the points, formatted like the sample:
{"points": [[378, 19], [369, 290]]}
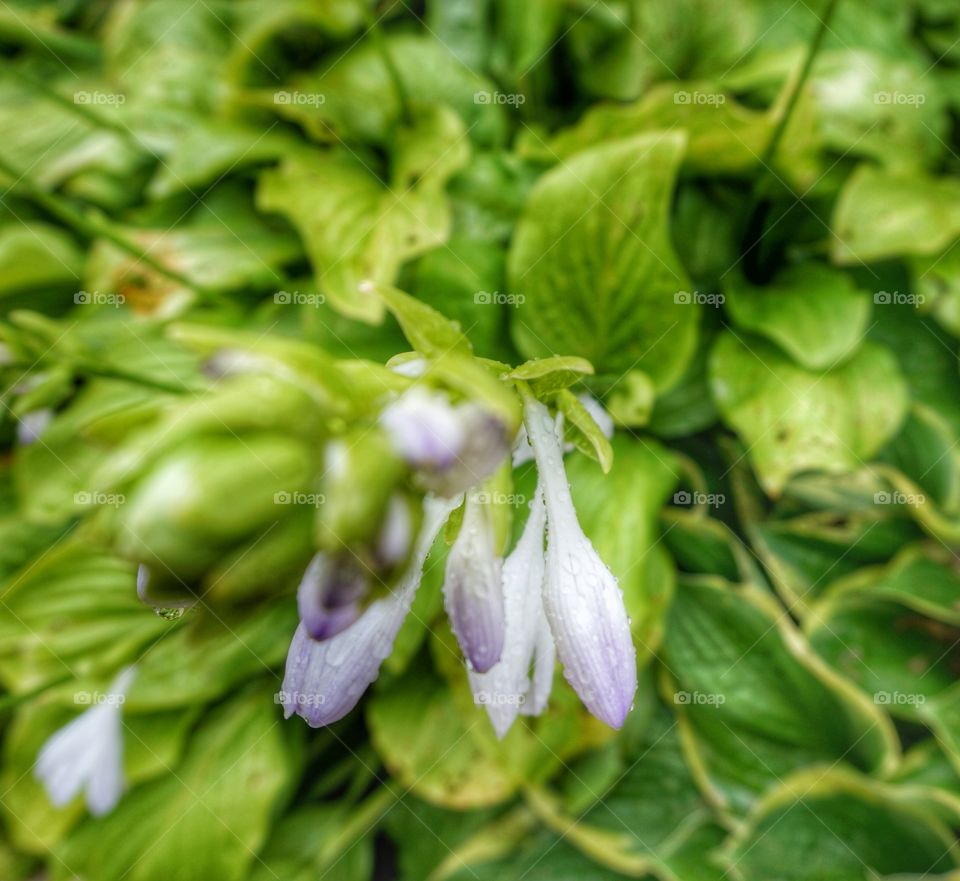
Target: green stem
{"points": [[92, 227], [794, 94], [380, 43]]}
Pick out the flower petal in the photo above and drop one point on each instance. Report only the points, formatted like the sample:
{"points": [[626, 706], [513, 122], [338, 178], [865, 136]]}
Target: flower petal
{"points": [[581, 598], [324, 680], [472, 588], [328, 596], [504, 690]]}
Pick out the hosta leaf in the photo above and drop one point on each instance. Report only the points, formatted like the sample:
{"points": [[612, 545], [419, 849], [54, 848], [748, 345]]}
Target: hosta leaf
{"points": [[833, 825], [357, 230], [593, 259], [882, 214], [797, 420], [747, 685], [815, 314], [211, 816]]}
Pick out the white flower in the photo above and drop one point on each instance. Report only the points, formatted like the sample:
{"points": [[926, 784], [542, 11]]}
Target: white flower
{"points": [[506, 689], [472, 591], [86, 755], [453, 446], [582, 601]]}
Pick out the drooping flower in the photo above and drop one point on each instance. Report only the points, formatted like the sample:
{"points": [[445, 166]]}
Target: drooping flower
{"points": [[507, 689], [452, 446], [86, 755], [329, 595], [552, 598], [472, 591], [324, 680], [581, 598]]}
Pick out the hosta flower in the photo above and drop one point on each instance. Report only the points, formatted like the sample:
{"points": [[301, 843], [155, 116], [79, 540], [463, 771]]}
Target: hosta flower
{"points": [[552, 597], [86, 755], [471, 588], [452, 446], [581, 598], [506, 689], [324, 679]]}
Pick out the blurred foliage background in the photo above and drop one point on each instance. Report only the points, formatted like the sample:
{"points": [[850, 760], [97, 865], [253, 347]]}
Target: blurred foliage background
{"points": [[744, 213]]}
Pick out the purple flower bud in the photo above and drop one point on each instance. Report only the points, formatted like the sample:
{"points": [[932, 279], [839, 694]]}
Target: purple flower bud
{"points": [[581, 598], [329, 595], [472, 591], [453, 446], [324, 680]]}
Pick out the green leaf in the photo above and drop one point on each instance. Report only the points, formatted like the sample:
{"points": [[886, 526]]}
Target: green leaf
{"points": [[71, 612], [212, 815], [880, 215], [815, 314], [358, 230], [746, 685], [592, 256], [796, 420], [834, 825], [428, 748], [549, 375], [582, 429], [426, 329]]}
